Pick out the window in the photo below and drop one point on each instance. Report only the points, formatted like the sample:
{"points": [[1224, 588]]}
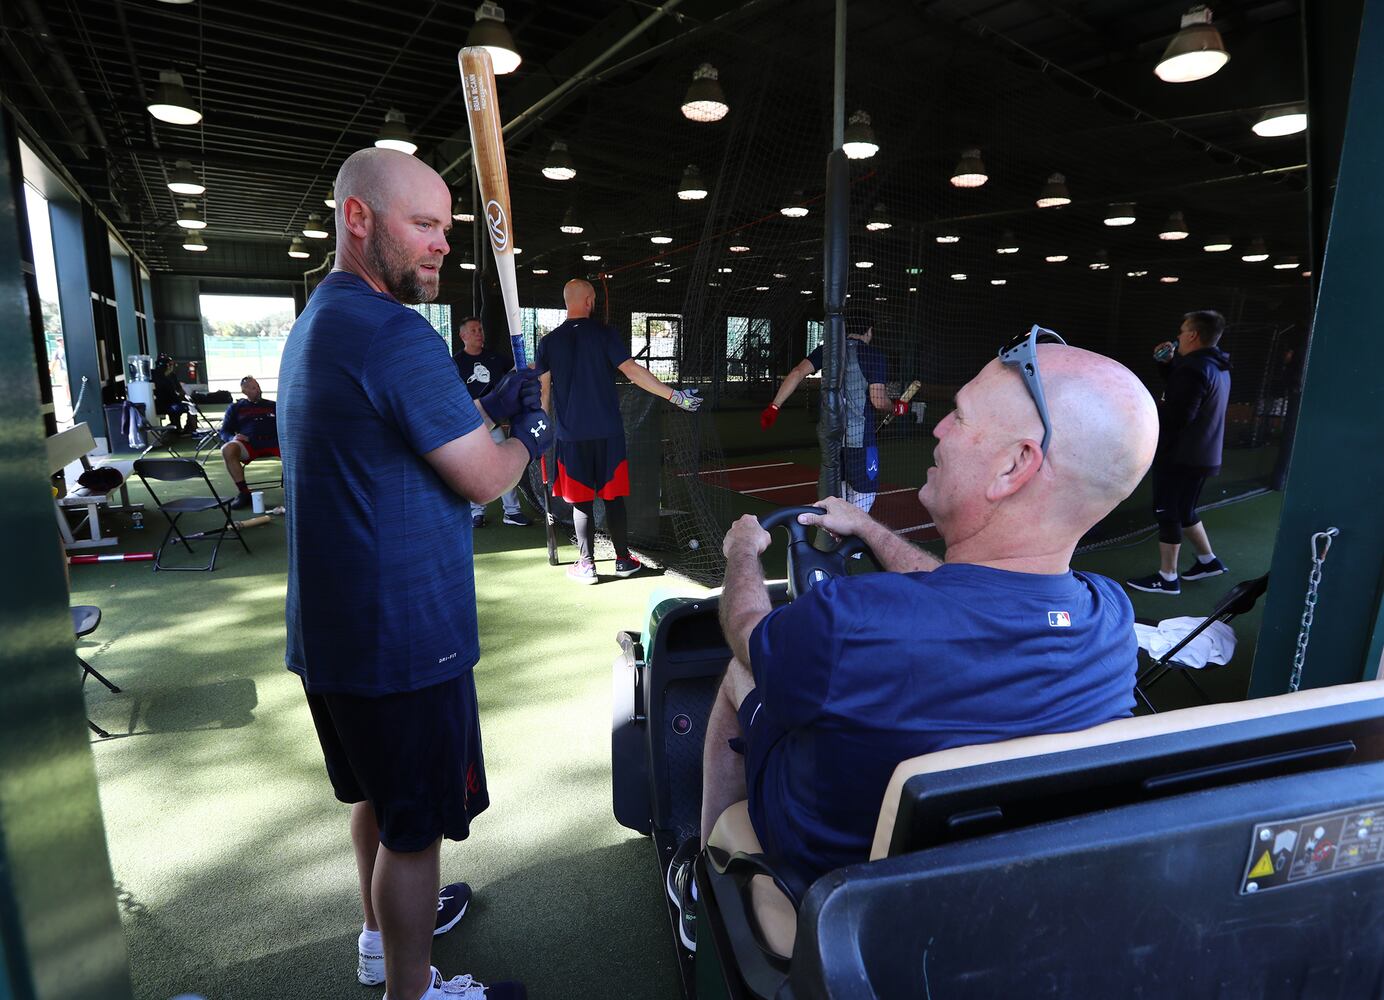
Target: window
{"points": [[816, 333], [748, 358], [537, 323], [46, 271], [244, 335], [439, 317], [654, 341]]}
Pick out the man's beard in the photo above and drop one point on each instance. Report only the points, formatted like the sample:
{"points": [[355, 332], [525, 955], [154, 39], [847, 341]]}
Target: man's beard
{"points": [[388, 259]]}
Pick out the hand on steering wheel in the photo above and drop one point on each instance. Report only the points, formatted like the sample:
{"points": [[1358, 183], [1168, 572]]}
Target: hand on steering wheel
{"points": [[808, 565]]}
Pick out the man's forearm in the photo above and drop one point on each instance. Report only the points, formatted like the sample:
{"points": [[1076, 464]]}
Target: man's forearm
{"points": [[641, 377], [790, 384], [744, 602], [511, 459], [895, 553]]}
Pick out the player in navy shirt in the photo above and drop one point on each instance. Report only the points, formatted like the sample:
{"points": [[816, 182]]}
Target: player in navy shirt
{"points": [[579, 359], [1003, 639], [479, 370], [250, 431], [382, 450], [863, 386]]}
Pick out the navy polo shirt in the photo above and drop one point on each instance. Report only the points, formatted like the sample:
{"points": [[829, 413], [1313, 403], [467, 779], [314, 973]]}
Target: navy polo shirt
{"points": [[381, 597], [864, 672]]}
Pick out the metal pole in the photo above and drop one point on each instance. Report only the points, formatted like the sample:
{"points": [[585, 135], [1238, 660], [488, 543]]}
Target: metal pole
{"points": [[838, 85]]}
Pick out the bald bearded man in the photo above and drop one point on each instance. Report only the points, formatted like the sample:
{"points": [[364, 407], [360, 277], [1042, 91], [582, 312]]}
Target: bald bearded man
{"points": [[1001, 639], [579, 359], [383, 452]]}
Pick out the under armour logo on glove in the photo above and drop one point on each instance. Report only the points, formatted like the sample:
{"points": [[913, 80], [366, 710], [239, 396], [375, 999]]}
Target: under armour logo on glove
{"points": [[537, 429]]}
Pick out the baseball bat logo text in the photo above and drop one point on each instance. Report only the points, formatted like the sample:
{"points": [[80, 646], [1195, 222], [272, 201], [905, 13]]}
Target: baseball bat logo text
{"points": [[498, 222]]}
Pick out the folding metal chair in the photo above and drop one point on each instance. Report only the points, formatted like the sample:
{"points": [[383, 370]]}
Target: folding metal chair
{"points": [[156, 436], [1238, 600], [173, 470], [85, 618]]}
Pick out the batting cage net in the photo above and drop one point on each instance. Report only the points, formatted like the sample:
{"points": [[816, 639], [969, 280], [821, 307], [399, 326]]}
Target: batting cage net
{"points": [[1002, 192]]}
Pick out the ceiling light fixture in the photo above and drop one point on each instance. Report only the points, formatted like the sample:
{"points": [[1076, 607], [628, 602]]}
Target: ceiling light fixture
{"points": [[194, 243], [761, 288], [1120, 214], [879, 219], [462, 212], [540, 270], [999, 281], [796, 208], [1175, 229], [559, 166], [298, 249], [1136, 274], [864, 264], [1008, 244], [171, 102], [1290, 119], [490, 33], [958, 277], [1257, 252], [692, 187], [467, 265], [970, 170], [1195, 52], [183, 180], [1055, 258], [591, 257], [723, 270], [858, 140], [1287, 263], [1054, 193], [569, 224], [947, 236], [190, 218], [660, 237], [330, 200], [1219, 244], [1101, 262], [394, 133], [312, 229], [704, 101], [1169, 279]]}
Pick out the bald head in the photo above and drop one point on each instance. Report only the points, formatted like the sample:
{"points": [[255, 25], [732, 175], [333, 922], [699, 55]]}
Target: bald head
{"points": [[579, 297], [392, 217], [992, 487]]}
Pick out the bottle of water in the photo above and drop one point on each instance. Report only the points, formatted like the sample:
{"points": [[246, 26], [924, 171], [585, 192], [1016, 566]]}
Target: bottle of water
{"points": [[137, 520]]}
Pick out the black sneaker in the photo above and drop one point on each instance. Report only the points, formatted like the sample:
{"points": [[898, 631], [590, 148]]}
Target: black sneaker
{"points": [[241, 501], [1201, 570], [517, 519], [452, 901], [478, 520], [1155, 584], [682, 890], [628, 567]]}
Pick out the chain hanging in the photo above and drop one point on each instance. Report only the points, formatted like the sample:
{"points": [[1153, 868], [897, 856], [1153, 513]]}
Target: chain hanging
{"points": [[1320, 545]]}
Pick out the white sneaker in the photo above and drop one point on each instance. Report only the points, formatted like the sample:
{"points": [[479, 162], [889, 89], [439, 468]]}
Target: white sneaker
{"points": [[468, 988]]}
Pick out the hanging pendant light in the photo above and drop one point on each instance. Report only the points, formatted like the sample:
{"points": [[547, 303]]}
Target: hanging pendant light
{"points": [[330, 200], [394, 134], [183, 180], [297, 248], [190, 218], [1175, 229], [1054, 193], [704, 101], [569, 224], [559, 166], [171, 102], [692, 187], [194, 243], [796, 207], [660, 237], [1256, 253], [1290, 119], [1008, 244], [879, 219], [1120, 214], [970, 170], [1195, 52], [858, 141], [313, 229], [489, 32]]}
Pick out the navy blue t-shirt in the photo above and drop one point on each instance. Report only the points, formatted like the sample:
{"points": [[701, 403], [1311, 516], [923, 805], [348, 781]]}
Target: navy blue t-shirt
{"points": [[864, 672], [381, 597], [582, 355], [865, 366], [253, 419], [481, 371]]}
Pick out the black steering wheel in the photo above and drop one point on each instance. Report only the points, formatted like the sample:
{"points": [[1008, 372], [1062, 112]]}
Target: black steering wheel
{"points": [[807, 564]]}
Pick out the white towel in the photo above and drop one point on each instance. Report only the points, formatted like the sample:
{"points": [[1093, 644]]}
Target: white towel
{"points": [[1216, 644]]}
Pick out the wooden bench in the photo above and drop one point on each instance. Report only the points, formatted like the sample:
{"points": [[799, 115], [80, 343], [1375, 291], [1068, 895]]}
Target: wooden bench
{"points": [[76, 445]]}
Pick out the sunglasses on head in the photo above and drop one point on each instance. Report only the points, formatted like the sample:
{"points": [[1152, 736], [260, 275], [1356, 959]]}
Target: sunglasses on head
{"points": [[1022, 353]]}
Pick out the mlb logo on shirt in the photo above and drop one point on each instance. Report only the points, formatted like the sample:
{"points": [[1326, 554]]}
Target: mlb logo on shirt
{"points": [[1059, 619]]}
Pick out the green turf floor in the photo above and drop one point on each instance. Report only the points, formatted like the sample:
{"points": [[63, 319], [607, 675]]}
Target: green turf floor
{"points": [[233, 868], [232, 861]]}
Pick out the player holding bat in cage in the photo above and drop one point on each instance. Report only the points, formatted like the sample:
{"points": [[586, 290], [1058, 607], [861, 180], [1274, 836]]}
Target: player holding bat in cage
{"points": [[863, 388]]}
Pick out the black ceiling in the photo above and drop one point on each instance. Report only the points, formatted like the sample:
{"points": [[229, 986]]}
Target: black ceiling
{"points": [[289, 89]]}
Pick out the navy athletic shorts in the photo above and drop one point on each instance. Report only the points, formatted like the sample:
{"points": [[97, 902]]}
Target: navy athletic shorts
{"points": [[860, 468], [416, 757], [590, 469]]}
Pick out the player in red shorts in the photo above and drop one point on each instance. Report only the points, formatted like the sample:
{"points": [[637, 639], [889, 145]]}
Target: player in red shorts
{"points": [[250, 432]]}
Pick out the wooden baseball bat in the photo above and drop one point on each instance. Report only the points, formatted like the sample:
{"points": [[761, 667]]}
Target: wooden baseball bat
{"points": [[907, 397], [488, 154]]}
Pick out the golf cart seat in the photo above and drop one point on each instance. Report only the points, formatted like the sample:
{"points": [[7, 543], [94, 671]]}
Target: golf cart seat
{"points": [[1232, 850]]}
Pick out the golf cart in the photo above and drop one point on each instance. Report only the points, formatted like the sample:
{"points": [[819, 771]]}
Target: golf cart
{"points": [[1232, 850]]}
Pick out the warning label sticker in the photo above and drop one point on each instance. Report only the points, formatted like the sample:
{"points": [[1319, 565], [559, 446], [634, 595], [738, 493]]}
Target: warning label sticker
{"points": [[1286, 851]]}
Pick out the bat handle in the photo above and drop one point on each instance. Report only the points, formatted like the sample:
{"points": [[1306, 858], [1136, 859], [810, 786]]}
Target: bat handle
{"points": [[543, 467]]}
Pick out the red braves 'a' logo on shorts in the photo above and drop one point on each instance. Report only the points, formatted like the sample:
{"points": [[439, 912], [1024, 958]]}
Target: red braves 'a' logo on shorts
{"points": [[473, 780]]}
